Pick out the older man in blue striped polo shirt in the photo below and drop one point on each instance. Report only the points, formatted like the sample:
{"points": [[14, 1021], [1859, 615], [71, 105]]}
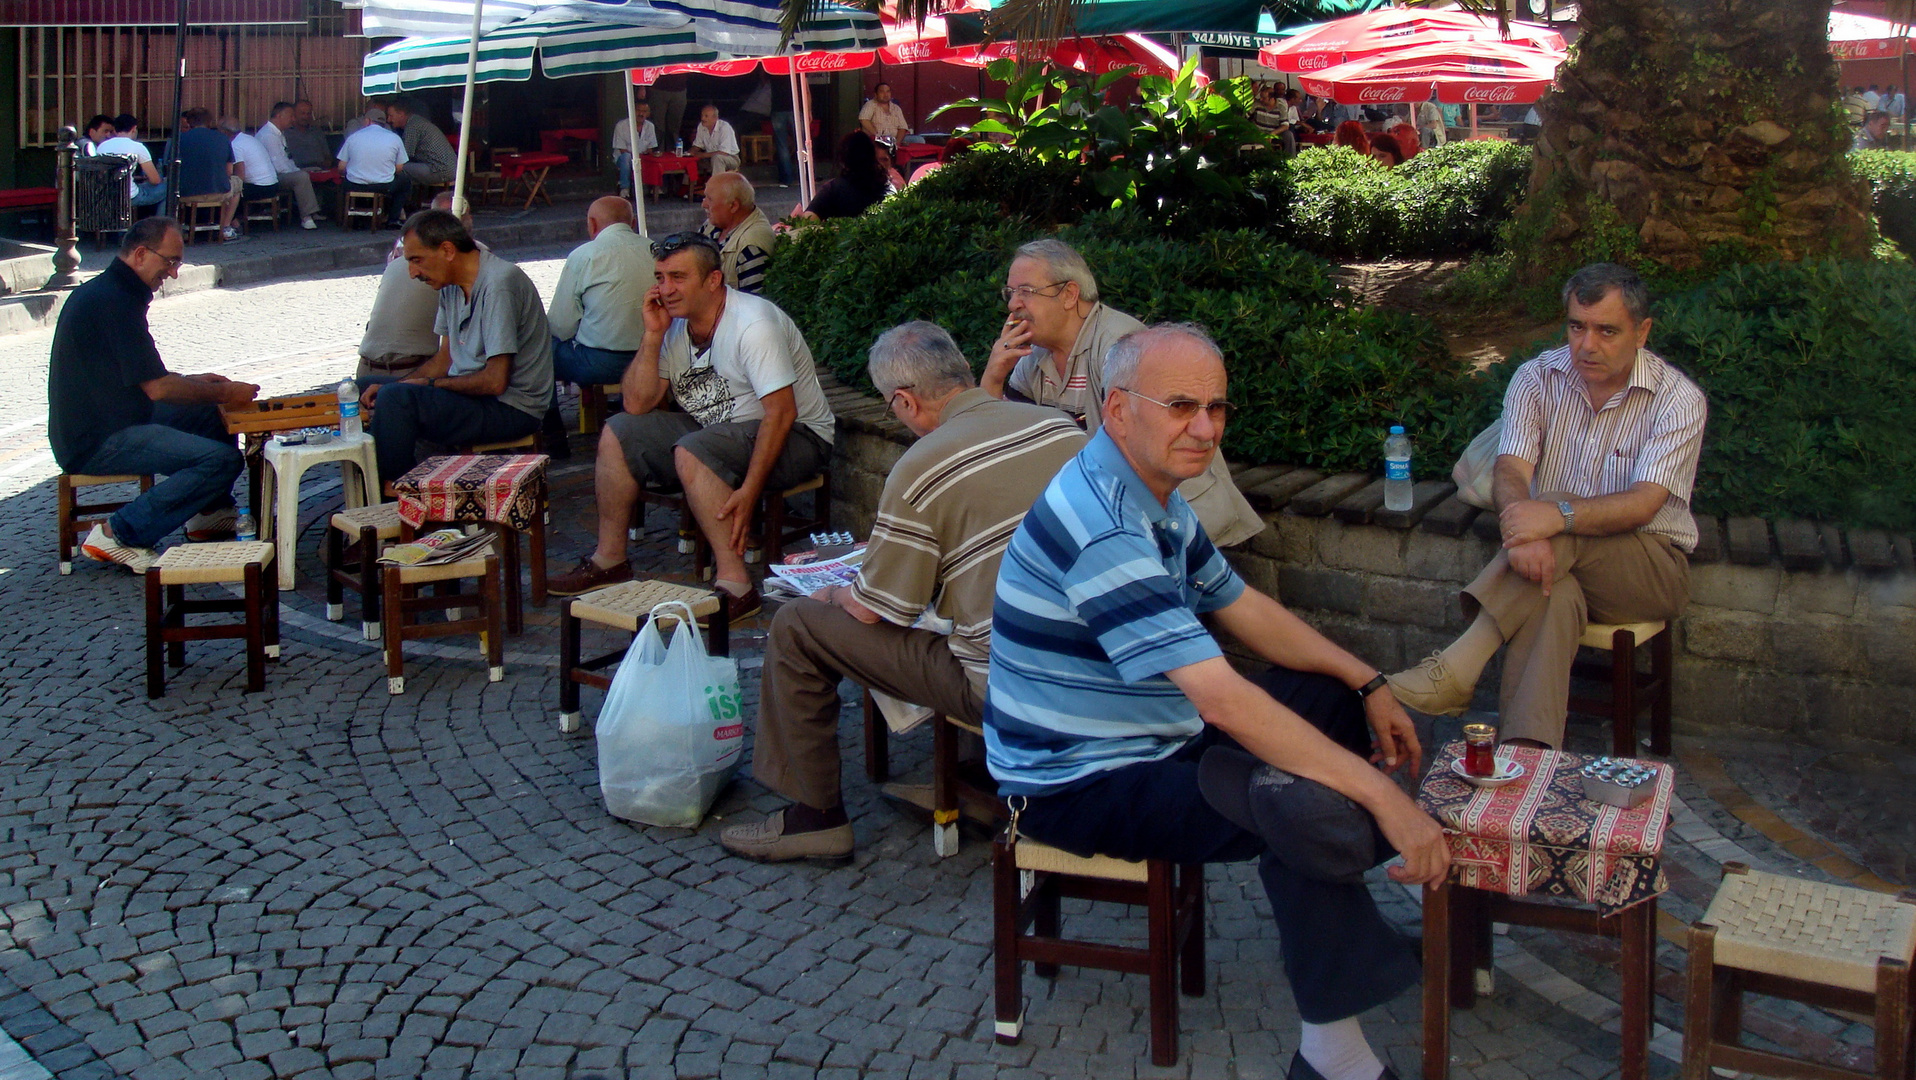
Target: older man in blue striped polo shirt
{"points": [[1116, 726]]}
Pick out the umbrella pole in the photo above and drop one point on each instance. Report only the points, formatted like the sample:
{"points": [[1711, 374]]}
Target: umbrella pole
{"points": [[809, 168], [1473, 119], [632, 128], [459, 207]]}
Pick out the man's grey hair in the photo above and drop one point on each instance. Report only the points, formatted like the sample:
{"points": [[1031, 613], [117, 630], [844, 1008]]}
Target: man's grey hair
{"points": [[1594, 282], [919, 355], [1122, 358], [741, 186], [1062, 263], [231, 125]]}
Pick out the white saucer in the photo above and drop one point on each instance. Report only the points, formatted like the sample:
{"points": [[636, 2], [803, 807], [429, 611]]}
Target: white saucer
{"points": [[1507, 770]]}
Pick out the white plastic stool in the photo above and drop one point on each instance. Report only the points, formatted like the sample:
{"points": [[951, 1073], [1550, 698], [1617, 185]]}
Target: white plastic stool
{"points": [[279, 485]]}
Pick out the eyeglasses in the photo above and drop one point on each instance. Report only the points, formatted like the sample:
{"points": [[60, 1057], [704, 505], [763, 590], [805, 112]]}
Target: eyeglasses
{"points": [[1184, 409], [173, 262], [891, 399], [677, 242], [1029, 291]]}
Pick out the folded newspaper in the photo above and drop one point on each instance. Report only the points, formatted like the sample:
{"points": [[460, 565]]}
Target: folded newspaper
{"points": [[805, 579], [436, 548]]}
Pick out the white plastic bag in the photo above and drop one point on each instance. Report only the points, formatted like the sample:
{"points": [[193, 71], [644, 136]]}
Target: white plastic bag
{"points": [[671, 731], [1474, 471]]}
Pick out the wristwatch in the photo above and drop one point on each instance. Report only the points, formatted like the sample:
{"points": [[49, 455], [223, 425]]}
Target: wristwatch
{"points": [[1569, 515], [1370, 687]]}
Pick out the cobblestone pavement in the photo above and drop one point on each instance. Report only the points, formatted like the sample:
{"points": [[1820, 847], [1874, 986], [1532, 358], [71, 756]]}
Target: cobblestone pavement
{"points": [[325, 880]]}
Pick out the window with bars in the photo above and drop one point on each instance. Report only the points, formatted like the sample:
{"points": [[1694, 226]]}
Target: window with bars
{"points": [[68, 73]]}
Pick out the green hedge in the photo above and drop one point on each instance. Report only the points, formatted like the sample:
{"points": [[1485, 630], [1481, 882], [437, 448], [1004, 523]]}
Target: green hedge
{"points": [[1892, 182], [1318, 380]]}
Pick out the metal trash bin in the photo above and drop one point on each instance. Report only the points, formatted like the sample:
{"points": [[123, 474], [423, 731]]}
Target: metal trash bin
{"points": [[102, 202]]}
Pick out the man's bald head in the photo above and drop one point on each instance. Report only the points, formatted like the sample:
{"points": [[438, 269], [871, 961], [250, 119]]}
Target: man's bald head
{"points": [[608, 210], [443, 201], [729, 199]]}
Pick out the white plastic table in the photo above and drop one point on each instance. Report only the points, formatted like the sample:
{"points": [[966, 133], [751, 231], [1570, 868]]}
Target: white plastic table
{"points": [[279, 487]]}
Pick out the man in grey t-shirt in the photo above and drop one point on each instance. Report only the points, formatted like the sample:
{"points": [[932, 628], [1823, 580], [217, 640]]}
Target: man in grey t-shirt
{"points": [[492, 377]]}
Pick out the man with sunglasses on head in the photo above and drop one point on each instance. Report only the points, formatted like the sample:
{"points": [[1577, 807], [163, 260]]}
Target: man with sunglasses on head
{"points": [[750, 417], [114, 409], [947, 511], [1048, 352], [1116, 726]]}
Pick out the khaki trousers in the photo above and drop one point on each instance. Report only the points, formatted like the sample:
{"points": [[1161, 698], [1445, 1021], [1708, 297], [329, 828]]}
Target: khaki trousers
{"points": [[1630, 577], [300, 183], [814, 645]]}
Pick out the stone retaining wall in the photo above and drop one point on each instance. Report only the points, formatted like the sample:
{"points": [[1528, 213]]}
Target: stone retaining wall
{"points": [[1792, 626]]}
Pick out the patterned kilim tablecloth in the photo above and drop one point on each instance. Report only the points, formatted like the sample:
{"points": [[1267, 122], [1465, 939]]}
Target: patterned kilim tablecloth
{"points": [[1539, 835], [506, 488]]}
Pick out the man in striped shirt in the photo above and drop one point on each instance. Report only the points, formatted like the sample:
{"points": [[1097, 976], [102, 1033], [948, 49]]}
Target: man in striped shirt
{"points": [[1116, 726], [948, 509], [1592, 483]]}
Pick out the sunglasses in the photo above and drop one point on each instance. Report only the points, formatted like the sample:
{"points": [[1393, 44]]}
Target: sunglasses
{"points": [[671, 245], [1183, 410]]}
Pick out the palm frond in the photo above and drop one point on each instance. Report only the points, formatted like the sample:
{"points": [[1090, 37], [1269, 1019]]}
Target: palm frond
{"points": [[793, 13], [1035, 24]]}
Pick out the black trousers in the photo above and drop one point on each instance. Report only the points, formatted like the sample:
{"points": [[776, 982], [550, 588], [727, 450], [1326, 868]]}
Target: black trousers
{"points": [[404, 413], [1341, 956]]}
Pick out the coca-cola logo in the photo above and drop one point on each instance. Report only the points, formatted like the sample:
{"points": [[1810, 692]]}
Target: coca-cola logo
{"points": [[1490, 95], [1314, 63], [1381, 93]]}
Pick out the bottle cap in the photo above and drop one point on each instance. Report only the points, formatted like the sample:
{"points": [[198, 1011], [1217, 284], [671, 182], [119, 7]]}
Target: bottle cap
{"points": [[1397, 429]]}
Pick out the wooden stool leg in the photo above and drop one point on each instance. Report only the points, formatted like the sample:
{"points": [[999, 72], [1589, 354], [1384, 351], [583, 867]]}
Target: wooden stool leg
{"points": [[63, 502], [1161, 926], [944, 794], [773, 544], [395, 624], [270, 608], [1191, 880], [1699, 998], [255, 631], [1623, 694], [176, 618], [1662, 669], [335, 559], [509, 567], [495, 637], [1437, 961], [369, 584], [1046, 919], [718, 631], [1892, 1018], [1638, 968], [536, 544], [877, 741], [568, 659], [155, 634], [1006, 928]]}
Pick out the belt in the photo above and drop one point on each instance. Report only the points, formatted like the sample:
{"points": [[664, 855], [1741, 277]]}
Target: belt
{"points": [[393, 363]]}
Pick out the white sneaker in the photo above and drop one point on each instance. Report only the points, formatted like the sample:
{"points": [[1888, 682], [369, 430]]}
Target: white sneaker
{"points": [[103, 548], [212, 525], [309, 223], [231, 233]]}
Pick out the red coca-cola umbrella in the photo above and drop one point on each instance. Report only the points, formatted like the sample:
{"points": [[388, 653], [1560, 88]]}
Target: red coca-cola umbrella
{"points": [[1472, 73], [1865, 37], [1342, 40]]}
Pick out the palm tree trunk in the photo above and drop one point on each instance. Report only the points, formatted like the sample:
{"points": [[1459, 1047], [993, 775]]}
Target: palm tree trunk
{"points": [[1687, 133]]}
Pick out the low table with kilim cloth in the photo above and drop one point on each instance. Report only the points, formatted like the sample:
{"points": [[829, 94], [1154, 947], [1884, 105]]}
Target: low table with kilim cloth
{"points": [[1592, 869], [505, 492]]}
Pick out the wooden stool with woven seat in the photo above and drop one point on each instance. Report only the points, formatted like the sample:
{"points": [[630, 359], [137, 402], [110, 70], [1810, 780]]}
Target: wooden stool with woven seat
{"points": [[1027, 881], [360, 530], [401, 601], [777, 526], [1630, 691], [75, 518], [201, 213], [245, 562], [956, 786], [625, 606], [367, 206], [265, 209], [1830, 946]]}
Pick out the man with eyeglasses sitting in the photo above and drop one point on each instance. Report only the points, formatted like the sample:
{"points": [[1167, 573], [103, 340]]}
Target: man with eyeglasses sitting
{"points": [[1115, 725], [113, 408], [750, 417], [1049, 350]]}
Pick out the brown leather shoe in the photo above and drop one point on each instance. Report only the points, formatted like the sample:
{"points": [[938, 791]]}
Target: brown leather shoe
{"points": [[738, 608], [588, 576], [767, 841]]}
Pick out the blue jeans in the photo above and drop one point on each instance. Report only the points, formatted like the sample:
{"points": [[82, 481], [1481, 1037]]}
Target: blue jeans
{"points": [[189, 445], [404, 413], [784, 142], [1342, 958], [149, 194], [585, 365], [624, 158]]}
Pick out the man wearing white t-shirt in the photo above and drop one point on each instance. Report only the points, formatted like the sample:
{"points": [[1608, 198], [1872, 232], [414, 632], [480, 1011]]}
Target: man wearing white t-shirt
{"points": [[260, 181], [272, 136], [145, 185], [625, 151], [370, 160], [882, 118], [714, 142], [752, 417]]}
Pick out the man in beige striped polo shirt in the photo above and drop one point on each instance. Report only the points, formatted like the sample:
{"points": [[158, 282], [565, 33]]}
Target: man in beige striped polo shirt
{"points": [[949, 507], [1592, 482]]}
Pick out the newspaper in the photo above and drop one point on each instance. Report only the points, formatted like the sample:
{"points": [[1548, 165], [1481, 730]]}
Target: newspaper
{"points": [[436, 548], [805, 579]]}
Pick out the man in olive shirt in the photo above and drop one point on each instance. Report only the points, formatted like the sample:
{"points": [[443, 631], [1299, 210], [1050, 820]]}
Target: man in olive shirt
{"points": [[949, 507], [492, 378], [429, 157]]}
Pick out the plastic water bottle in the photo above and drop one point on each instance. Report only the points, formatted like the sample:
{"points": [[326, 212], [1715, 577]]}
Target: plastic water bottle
{"points": [[349, 425], [678, 147], [1397, 469], [245, 529]]}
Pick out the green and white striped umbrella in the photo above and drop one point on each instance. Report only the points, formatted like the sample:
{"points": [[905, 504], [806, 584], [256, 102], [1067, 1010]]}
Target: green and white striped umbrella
{"points": [[563, 46]]}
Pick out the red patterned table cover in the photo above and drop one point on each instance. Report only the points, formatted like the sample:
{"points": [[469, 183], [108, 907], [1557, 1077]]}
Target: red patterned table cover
{"points": [[506, 488], [1539, 835]]}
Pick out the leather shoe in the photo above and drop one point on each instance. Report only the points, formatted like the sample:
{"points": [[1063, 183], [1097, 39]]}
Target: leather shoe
{"points": [[767, 841], [588, 576], [1303, 1070], [1431, 687], [740, 608]]}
